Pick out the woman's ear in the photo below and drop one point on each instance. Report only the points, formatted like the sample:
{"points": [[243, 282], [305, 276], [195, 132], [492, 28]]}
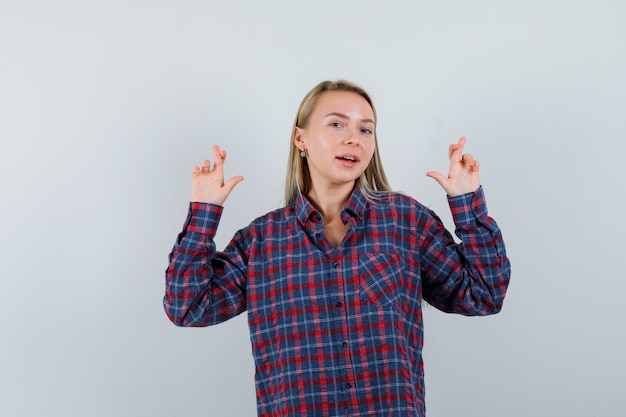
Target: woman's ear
{"points": [[298, 139]]}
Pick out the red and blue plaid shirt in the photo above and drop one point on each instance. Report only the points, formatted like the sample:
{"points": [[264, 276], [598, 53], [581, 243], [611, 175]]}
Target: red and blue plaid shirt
{"points": [[338, 331]]}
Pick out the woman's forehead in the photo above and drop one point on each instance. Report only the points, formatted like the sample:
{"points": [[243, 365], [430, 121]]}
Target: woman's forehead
{"points": [[344, 103]]}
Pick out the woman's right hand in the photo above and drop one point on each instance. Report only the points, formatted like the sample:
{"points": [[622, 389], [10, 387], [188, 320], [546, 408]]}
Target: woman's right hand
{"points": [[207, 183]]}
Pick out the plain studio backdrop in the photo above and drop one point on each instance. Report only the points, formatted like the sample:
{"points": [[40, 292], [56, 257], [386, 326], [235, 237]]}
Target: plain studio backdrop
{"points": [[105, 106]]}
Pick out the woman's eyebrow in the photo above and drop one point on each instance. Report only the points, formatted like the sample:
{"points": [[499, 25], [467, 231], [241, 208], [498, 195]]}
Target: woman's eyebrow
{"points": [[343, 116]]}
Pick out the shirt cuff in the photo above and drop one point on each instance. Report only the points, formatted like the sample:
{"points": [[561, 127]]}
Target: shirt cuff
{"points": [[203, 218], [469, 208]]}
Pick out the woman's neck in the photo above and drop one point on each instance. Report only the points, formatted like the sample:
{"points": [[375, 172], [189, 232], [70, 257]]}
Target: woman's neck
{"points": [[331, 200]]}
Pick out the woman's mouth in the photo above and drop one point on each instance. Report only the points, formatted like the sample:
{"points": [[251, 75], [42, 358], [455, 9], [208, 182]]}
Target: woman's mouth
{"points": [[348, 161], [350, 158]]}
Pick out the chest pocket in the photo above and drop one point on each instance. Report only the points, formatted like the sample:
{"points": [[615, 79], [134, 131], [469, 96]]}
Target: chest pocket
{"points": [[381, 278]]}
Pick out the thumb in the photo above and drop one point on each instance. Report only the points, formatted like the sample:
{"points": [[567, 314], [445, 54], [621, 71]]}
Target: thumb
{"points": [[231, 183], [437, 176]]}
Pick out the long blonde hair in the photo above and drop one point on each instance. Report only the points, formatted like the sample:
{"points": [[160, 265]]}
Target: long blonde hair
{"points": [[298, 178]]}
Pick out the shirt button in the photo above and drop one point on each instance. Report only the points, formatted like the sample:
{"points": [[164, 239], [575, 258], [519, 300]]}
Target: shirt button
{"points": [[339, 304], [344, 345], [348, 385], [335, 265]]}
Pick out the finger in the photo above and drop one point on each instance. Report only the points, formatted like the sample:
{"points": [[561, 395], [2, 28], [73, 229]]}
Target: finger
{"points": [[470, 163], [467, 159], [218, 158], [206, 166], [456, 150]]}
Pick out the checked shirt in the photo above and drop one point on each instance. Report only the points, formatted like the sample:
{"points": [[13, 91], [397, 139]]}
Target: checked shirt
{"points": [[338, 331]]}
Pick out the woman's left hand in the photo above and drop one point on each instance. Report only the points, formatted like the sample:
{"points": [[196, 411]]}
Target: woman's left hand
{"points": [[463, 174]]}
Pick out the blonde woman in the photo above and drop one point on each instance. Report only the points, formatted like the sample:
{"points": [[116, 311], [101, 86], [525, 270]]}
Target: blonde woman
{"points": [[333, 282]]}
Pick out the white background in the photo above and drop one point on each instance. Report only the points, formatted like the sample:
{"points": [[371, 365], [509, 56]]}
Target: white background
{"points": [[105, 106]]}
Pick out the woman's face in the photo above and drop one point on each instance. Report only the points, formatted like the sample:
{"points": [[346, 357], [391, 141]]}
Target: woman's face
{"points": [[339, 139]]}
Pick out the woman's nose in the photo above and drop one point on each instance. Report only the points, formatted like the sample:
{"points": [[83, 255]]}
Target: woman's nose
{"points": [[352, 137]]}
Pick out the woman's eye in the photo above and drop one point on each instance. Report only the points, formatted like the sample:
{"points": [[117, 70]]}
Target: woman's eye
{"points": [[335, 124], [366, 131]]}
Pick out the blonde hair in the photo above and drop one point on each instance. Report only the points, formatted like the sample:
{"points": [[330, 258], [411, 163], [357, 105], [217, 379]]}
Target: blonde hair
{"points": [[298, 178]]}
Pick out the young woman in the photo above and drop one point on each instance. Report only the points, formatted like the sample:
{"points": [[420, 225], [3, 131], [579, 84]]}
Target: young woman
{"points": [[333, 282]]}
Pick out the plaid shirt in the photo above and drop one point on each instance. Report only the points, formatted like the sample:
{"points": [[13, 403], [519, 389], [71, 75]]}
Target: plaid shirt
{"points": [[338, 331]]}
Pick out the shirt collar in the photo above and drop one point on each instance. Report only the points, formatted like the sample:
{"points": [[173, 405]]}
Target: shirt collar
{"points": [[355, 207]]}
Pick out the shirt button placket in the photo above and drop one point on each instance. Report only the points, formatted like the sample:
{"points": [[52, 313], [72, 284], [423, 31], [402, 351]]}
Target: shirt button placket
{"points": [[339, 304], [344, 345]]}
